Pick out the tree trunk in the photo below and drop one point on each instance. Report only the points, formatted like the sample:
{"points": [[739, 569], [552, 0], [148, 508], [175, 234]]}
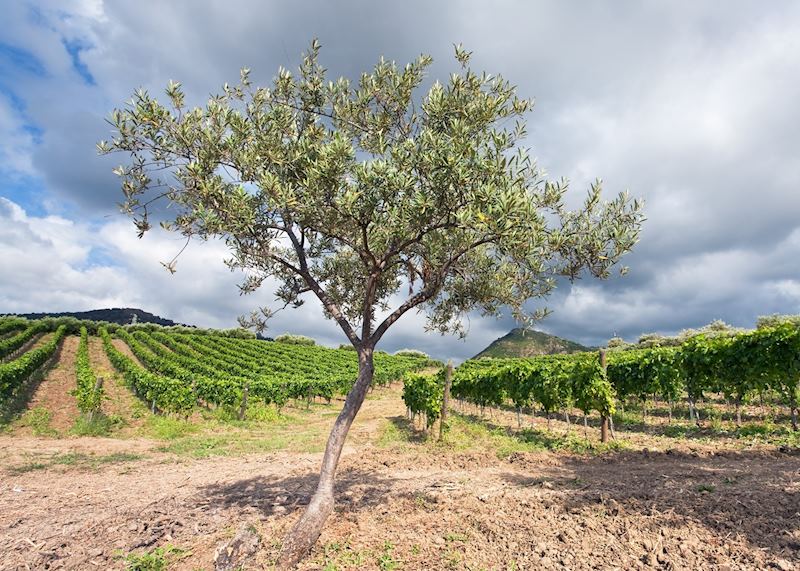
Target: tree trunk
{"points": [[304, 534], [794, 418], [603, 429]]}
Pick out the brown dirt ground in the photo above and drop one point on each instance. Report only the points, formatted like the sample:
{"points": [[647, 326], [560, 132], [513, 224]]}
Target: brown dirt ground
{"points": [[119, 401], [415, 508], [123, 348], [53, 392]]}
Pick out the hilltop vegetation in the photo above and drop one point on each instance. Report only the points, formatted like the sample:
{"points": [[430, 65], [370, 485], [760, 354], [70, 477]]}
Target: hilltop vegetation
{"points": [[118, 315], [529, 343]]}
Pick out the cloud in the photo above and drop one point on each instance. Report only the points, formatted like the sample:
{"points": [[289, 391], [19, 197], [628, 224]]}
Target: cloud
{"points": [[688, 106], [60, 265]]}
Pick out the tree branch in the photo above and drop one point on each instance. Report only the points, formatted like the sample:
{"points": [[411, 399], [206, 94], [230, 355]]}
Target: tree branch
{"points": [[427, 293], [321, 294]]}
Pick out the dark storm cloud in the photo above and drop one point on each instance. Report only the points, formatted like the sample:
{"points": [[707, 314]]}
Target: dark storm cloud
{"points": [[689, 106]]}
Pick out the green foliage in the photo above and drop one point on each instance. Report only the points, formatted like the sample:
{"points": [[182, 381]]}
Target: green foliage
{"points": [[38, 420], [736, 364], [774, 320], [97, 425], [10, 324], [156, 560], [215, 370], [411, 353], [14, 373], [295, 339], [554, 382], [529, 343], [169, 394], [11, 344], [87, 393], [423, 394], [385, 186]]}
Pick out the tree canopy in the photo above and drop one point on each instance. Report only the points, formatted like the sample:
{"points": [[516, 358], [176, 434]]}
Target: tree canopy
{"points": [[352, 191]]}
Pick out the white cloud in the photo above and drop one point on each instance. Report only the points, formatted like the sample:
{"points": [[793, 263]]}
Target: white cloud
{"points": [[692, 107], [53, 268]]}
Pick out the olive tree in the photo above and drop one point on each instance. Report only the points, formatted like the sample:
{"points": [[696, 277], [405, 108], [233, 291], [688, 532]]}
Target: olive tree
{"points": [[362, 194]]}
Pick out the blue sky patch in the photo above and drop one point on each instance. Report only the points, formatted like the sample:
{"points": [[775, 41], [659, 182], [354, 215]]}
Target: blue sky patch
{"points": [[74, 49], [20, 60]]}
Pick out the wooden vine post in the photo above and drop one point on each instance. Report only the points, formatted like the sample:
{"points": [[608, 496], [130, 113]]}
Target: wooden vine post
{"points": [[243, 406], [98, 386], [603, 418], [448, 379]]}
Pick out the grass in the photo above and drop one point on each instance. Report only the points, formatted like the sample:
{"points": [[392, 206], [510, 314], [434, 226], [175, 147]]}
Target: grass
{"points": [[386, 562], [38, 420], [470, 433], [77, 460], [219, 432], [99, 425], [341, 555], [158, 559], [215, 437]]}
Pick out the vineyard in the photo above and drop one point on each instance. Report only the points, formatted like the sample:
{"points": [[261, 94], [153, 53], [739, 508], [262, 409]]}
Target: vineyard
{"points": [[207, 432], [763, 364], [175, 370]]}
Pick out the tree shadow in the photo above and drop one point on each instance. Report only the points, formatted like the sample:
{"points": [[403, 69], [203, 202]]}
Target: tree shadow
{"points": [[407, 431], [355, 490]]}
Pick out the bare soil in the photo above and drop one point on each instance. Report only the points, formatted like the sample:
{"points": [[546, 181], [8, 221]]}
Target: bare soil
{"points": [[120, 401], [53, 392], [85, 503], [122, 347]]}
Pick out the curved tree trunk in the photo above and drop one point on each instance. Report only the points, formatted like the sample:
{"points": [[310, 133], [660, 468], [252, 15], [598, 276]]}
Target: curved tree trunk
{"points": [[304, 534]]}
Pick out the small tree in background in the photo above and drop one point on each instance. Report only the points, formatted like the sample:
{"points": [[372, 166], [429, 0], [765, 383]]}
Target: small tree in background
{"points": [[355, 193]]}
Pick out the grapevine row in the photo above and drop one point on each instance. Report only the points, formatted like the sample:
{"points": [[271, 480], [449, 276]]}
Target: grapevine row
{"points": [[218, 370], [737, 366], [14, 373], [8, 346], [88, 392]]}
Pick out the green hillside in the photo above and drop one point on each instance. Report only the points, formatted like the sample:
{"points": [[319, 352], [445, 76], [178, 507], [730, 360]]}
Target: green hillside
{"points": [[521, 343]]}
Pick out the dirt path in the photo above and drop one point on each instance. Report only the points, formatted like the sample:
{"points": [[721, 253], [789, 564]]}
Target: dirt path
{"points": [[120, 401], [74, 504], [423, 512], [53, 392], [123, 348]]}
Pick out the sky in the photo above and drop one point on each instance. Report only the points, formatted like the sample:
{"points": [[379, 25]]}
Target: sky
{"points": [[690, 105]]}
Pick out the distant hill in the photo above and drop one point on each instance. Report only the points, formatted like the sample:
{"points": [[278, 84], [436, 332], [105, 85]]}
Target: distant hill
{"points": [[121, 315], [521, 343]]}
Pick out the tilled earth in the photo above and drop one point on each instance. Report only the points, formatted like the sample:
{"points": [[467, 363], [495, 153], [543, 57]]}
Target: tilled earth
{"points": [[408, 510]]}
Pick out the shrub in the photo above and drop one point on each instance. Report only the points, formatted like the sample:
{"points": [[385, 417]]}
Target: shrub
{"points": [[295, 339], [411, 353]]}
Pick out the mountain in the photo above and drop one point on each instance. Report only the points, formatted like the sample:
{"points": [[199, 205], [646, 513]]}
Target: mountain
{"points": [[121, 315], [521, 343]]}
